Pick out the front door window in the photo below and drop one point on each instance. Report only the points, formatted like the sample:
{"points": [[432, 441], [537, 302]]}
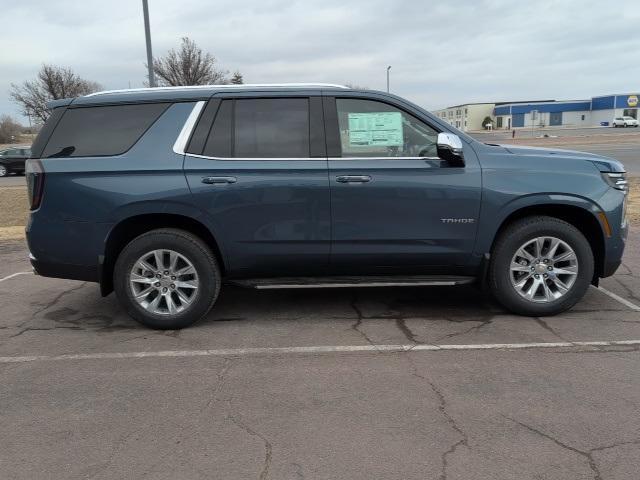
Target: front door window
{"points": [[375, 129]]}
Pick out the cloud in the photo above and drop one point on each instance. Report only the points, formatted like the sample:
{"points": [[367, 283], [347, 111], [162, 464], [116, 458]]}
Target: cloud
{"points": [[441, 53]]}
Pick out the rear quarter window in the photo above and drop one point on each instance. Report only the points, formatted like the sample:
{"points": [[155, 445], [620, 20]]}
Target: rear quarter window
{"points": [[101, 131]]}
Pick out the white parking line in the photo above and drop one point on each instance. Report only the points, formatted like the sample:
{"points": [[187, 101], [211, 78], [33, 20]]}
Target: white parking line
{"points": [[13, 275], [623, 301], [235, 352]]}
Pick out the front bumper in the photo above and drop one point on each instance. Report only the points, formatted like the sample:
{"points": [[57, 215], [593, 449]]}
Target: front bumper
{"points": [[614, 249]]}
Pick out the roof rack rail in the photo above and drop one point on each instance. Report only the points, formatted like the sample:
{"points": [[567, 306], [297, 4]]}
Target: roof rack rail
{"points": [[200, 87]]}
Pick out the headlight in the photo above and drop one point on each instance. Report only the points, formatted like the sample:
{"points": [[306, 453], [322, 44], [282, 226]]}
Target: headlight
{"points": [[616, 180]]}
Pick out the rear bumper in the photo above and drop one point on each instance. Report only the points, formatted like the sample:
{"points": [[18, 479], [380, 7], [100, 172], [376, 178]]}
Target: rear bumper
{"points": [[64, 270], [65, 249]]}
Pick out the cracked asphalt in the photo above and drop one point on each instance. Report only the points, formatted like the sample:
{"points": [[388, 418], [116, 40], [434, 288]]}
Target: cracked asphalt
{"points": [[549, 413]]}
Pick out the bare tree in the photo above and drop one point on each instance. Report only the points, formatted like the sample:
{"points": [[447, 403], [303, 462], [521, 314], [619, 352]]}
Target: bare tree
{"points": [[189, 65], [9, 129], [51, 83], [237, 78]]}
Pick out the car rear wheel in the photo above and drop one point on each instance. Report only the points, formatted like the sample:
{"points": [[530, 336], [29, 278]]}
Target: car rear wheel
{"points": [[167, 279], [3, 171], [540, 266]]}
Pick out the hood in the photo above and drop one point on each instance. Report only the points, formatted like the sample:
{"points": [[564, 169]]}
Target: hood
{"points": [[604, 164]]}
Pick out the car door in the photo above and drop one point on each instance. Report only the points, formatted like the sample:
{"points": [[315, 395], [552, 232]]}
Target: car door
{"points": [[256, 165], [394, 203], [14, 159], [21, 158]]}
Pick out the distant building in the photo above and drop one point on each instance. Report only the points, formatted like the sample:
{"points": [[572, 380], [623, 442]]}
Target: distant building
{"points": [[468, 116], [597, 111], [575, 113]]}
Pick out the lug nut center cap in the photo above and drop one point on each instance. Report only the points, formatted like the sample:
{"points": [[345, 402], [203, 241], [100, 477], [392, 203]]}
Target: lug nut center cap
{"points": [[541, 268]]}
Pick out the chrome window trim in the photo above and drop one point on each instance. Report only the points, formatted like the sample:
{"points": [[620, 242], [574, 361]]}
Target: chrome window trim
{"points": [[181, 142], [205, 157], [385, 158]]}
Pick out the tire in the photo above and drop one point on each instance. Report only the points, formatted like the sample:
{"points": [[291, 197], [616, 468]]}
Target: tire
{"points": [[190, 250], [3, 171], [504, 283]]}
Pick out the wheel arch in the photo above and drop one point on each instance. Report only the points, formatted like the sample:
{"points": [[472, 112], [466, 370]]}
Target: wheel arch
{"points": [[581, 218], [131, 227]]}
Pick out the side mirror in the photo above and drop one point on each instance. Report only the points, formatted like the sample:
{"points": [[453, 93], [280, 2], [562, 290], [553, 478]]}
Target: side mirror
{"points": [[450, 149]]}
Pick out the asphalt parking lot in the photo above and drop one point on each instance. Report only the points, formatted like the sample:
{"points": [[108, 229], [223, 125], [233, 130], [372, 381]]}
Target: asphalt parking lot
{"points": [[13, 181], [397, 383]]}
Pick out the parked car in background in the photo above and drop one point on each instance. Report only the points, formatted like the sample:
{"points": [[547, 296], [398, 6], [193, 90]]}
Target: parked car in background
{"points": [[12, 160], [625, 122], [165, 194]]}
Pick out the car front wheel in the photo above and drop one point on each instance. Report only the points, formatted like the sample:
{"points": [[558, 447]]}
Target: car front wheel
{"points": [[167, 279], [3, 171], [540, 266]]}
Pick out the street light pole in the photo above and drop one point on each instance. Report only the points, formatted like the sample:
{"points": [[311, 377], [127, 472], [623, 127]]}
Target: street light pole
{"points": [[388, 68], [147, 33]]}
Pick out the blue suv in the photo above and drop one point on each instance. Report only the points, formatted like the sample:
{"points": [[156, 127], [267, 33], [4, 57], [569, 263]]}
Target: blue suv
{"points": [[165, 194]]}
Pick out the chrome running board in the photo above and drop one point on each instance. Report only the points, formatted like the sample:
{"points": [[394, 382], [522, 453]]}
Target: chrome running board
{"points": [[352, 282]]}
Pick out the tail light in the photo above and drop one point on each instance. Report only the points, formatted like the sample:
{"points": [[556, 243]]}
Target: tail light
{"points": [[35, 182]]}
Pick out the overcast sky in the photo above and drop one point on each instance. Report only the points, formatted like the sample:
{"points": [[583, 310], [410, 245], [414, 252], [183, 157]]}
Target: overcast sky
{"points": [[442, 52]]}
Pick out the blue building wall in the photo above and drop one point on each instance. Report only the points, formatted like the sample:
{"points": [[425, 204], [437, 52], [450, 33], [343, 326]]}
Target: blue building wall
{"points": [[552, 107], [603, 103], [517, 120], [543, 108]]}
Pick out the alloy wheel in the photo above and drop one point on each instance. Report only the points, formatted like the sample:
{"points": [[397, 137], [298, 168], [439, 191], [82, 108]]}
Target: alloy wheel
{"points": [[543, 269], [164, 282]]}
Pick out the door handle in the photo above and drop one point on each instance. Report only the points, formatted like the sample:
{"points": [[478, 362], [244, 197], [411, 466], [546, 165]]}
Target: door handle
{"points": [[353, 179], [219, 180]]}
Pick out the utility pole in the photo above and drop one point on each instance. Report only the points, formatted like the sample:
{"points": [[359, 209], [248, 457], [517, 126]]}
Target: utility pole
{"points": [[388, 68], [147, 33]]}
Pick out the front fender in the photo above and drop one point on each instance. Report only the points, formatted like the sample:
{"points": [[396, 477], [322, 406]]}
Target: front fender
{"points": [[494, 215]]}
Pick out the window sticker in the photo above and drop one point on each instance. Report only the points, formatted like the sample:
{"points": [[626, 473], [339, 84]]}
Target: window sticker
{"points": [[375, 129]]}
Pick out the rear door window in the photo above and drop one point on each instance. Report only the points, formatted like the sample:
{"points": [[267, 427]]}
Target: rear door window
{"points": [[101, 131], [219, 143], [271, 128], [260, 128]]}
